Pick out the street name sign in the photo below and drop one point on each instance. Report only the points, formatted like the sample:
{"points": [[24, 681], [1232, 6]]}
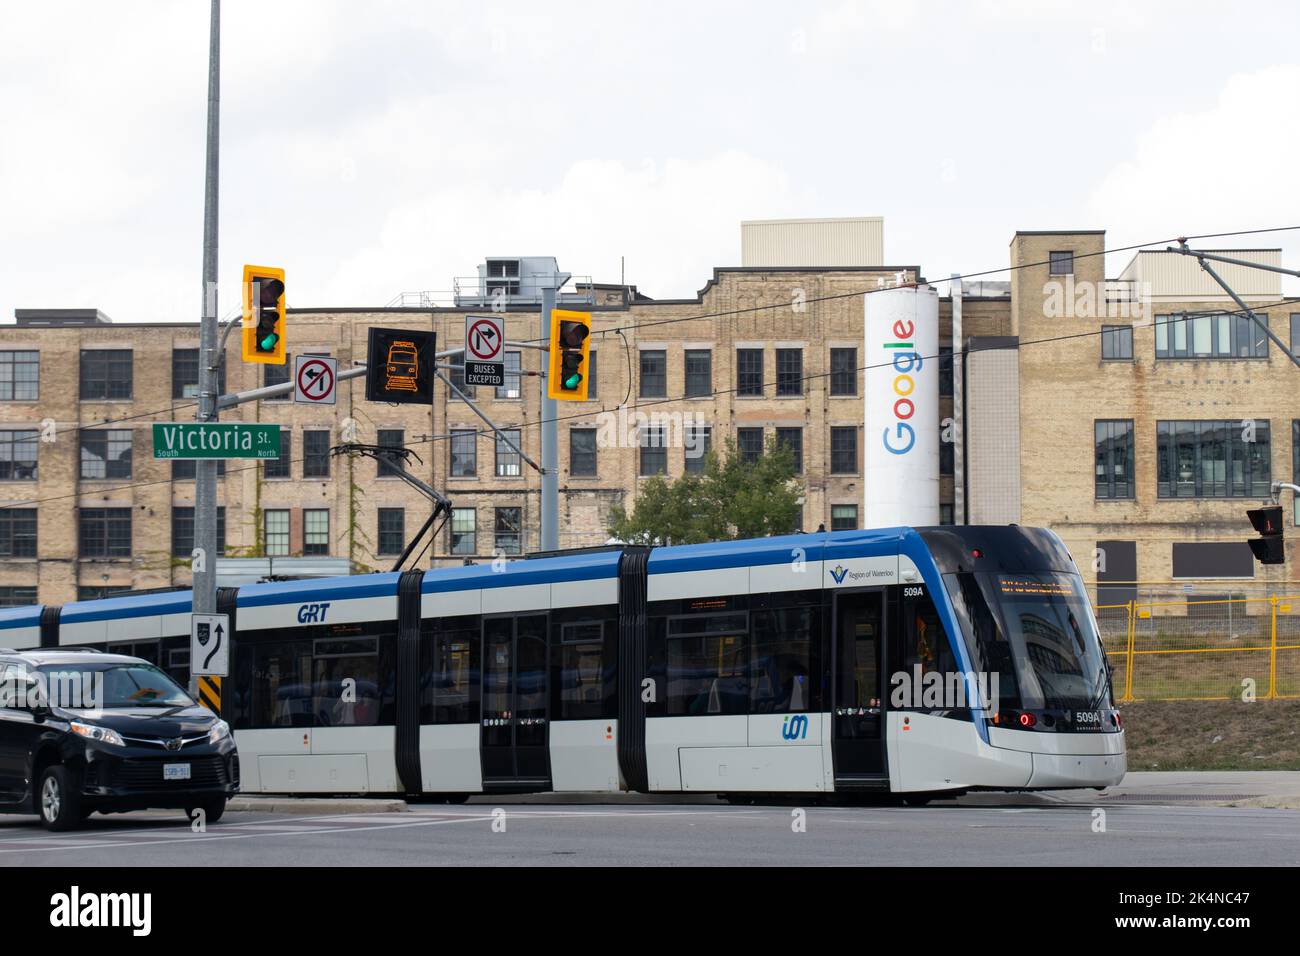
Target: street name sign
{"points": [[485, 339], [173, 440]]}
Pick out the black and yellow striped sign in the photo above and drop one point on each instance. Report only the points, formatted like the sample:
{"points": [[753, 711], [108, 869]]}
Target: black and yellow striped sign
{"points": [[210, 693]]}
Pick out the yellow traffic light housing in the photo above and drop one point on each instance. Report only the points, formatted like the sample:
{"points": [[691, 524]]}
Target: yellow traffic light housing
{"points": [[566, 375], [263, 327]]}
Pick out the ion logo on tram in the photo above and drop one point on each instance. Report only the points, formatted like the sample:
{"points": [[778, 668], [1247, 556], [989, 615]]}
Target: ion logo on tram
{"points": [[795, 727]]}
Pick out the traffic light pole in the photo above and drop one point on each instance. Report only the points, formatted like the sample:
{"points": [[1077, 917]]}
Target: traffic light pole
{"points": [[550, 503], [205, 491]]}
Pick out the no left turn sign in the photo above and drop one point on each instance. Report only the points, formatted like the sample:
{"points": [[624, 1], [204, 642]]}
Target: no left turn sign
{"points": [[315, 377]]}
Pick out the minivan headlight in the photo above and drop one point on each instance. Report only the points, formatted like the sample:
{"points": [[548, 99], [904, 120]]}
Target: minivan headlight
{"points": [[103, 735], [219, 729]]}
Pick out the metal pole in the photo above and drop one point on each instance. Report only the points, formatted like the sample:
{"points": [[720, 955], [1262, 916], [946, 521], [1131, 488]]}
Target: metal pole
{"points": [[205, 491], [550, 503], [958, 359]]}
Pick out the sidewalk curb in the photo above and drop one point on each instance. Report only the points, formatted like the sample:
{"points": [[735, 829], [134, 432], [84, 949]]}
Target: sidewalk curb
{"points": [[289, 804]]}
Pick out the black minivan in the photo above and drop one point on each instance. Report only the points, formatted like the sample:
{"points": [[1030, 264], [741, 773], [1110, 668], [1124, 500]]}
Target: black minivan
{"points": [[82, 730]]}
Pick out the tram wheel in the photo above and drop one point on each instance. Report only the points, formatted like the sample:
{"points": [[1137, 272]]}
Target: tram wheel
{"points": [[916, 799]]}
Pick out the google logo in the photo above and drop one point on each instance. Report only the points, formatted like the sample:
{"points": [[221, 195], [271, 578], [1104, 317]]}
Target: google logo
{"points": [[905, 363]]}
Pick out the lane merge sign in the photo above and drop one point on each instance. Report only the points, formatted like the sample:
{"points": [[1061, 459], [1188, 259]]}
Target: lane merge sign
{"points": [[485, 340], [178, 440], [210, 645], [315, 379]]}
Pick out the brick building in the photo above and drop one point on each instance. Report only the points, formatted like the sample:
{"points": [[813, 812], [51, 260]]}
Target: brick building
{"points": [[761, 350]]}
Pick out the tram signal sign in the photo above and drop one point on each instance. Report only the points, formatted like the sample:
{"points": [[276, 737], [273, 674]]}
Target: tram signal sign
{"points": [[485, 339], [570, 356], [263, 315], [399, 366], [1267, 548]]}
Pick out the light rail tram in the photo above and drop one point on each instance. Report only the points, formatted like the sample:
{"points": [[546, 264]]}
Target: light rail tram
{"points": [[809, 663]]}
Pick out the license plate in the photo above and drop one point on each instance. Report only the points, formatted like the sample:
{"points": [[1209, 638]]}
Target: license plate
{"points": [[176, 771]]}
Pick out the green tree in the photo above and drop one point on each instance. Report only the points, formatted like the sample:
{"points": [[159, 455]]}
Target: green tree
{"points": [[730, 499]]}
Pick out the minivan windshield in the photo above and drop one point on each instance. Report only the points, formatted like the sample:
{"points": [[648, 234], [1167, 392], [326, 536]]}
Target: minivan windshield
{"points": [[116, 685]]}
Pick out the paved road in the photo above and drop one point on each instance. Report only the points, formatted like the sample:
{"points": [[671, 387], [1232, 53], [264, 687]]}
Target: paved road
{"points": [[562, 834]]}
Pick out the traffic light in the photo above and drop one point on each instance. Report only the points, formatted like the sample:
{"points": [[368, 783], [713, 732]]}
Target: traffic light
{"points": [[566, 377], [1268, 522], [264, 320]]}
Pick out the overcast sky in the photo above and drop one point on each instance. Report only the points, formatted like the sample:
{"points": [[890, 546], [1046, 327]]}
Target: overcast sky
{"points": [[376, 148]]}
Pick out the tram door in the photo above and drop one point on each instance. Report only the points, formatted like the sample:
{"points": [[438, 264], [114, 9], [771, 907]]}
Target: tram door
{"points": [[513, 740], [857, 737]]}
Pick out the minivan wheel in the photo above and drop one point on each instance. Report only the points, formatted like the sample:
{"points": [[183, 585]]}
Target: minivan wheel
{"points": [[212, 810], [58, 800]]}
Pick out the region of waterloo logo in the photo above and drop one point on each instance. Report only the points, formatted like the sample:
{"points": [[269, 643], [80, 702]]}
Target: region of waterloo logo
{"points": [[838, 573]]}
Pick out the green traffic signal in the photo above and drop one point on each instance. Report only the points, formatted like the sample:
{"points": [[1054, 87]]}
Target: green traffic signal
{"points": [[570, 376], [267, 343]]}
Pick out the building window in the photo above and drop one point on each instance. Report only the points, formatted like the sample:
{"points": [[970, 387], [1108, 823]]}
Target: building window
{"points": [[582, 452], [278, 375], [789, 371], [1061, 263], [106, 453], [513, 365], [792, 438], [749, 442], [1181, 336], [1113, 441], [456, 375], [699, 373], [183, 531], [464, 453], [945, 371], [275, 528], [316, 532], [946, 513], [186, 469], [507, 531], [18, 533], [463, 537], [106, 374], [390, 438], [1295, 333], [591, 374], [185, 374], [507, 457], [17, 596], [97, 592], [1295, 468], [316, 453], [947, 456], [749, 372], [654, 373], [844, 450], [279, 467], [699, 440], [1117, 343], [844, 371], [1213, 459], [18, 455], [392, 530], [104, 532], [20, 376], [654, 451], [844, 517]]}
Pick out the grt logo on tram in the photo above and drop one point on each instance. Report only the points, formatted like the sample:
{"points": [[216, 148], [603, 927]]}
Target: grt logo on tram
{"points": [[905, 363], [795, 727], [313, 613]]}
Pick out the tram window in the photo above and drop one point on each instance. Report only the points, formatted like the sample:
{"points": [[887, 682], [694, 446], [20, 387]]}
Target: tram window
{"points": [[783, 659], [449, 660], [708, 671], [586, 684], [281, 692], [922, 643], [989, 645], [346, 681]]}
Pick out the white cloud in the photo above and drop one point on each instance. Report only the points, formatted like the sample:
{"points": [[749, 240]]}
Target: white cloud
{"points": [[1224, 168]]}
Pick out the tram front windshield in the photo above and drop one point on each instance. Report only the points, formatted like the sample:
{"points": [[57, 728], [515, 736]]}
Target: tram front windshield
{"points": [[1035, 631]]}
